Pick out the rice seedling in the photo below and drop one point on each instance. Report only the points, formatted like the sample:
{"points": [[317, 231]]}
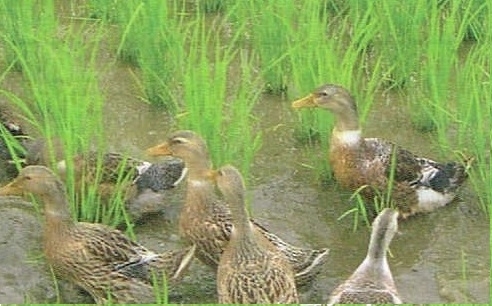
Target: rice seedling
{"points": [[152, 39], [128, 13], [271, 30], [62, 101], [103, 10], [401, 25], [22, 22], [160, 51], [160, 289], [430, 107], [222, 116], [473, 111], [212, 6]]}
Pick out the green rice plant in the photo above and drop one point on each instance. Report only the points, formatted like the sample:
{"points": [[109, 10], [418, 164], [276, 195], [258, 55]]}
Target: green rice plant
{"points": [[104, 10], [55, 284], [21, 23], [63, 102], [220, 114], [474, 113], [271, 30], [359, 212], [160, 289], [430, 107], [401, 24], [472, 14], [153, 40], [160, 51], [127, 15], [328, 60], [212, 6]]}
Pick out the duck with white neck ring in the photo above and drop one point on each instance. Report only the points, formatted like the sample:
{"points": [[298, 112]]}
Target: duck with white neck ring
{"points": [[420, 184]]}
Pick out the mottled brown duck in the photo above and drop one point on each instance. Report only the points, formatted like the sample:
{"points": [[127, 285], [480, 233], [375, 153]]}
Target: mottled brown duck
{"points": [[143, 186], [101, 260], [372, 282], [420, 184], [205, 220], [251, 269]]}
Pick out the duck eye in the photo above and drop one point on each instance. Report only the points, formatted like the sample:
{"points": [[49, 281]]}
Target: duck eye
{"points": [[178, 140]]}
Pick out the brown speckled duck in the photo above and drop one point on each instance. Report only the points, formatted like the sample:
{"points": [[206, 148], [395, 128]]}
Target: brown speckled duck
{"points": [[143, 186], [420, 184], [206, 221], [372, 282], [101, 260], [251, 269]]}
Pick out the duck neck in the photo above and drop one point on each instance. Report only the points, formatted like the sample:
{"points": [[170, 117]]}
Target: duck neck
{"points": [[240, 218], [346, 138], [378, 245], [198, 168], [347, 118], [200, 191], [57, 215], [56, 204], [347, 130]]}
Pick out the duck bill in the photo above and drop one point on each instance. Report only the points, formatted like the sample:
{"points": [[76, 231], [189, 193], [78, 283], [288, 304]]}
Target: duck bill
{"points": [[11, 189], [307, 101], [159, 150], [212, 175]]}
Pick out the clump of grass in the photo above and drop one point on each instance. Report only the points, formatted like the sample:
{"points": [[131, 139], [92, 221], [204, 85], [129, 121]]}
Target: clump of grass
{"points": [[220, 114], [430, 106], [103, 10], [152, 40], [22, 22], [401, 25], [473, 111], [128, 14], [271, 30], [63, 103], [212, 6]]}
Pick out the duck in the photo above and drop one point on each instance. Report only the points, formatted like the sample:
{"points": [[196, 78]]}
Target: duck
{"points": [[110, 169], [419, 184], [251, 269], [206, 221], [144, 186], [372, 282], [101, 260]]}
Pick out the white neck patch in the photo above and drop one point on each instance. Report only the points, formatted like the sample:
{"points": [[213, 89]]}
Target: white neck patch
{"points": [[349, 138], [197, 183]]}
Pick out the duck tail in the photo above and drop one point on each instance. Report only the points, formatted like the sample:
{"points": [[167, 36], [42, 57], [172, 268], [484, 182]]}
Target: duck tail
{"points": [[306, 263], [449, 176], [173, 263]]}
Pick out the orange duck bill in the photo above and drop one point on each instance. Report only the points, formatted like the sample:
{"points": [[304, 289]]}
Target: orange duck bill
{"points": [[159, 150], [307, 101], [11, 189]]}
